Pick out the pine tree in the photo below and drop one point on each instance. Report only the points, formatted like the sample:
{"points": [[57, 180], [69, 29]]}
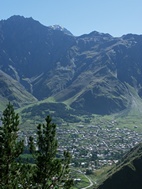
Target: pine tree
{"points": [[50, 171], [10, 149]]}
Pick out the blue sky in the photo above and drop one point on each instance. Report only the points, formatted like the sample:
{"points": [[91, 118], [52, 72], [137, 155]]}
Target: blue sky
{"points": [[116, 17]]}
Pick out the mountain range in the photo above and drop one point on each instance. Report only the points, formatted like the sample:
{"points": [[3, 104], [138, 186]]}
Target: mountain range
{"points": [[93, 73]]}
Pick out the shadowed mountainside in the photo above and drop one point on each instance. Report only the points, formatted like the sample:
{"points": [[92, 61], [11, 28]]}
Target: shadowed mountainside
{"points": [[12, 91], [126, 174]]}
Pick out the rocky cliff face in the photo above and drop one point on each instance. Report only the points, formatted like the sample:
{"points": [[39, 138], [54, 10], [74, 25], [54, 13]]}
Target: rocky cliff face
{"points": [[92, 73]]}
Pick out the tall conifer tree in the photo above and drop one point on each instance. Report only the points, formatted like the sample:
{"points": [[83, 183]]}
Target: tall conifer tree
{"points": [[10, 149], [47, 172], [50, 171]]}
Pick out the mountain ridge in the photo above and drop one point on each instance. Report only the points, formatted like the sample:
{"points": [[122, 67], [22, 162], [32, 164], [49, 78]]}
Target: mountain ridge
{"points": [[90, 73]]}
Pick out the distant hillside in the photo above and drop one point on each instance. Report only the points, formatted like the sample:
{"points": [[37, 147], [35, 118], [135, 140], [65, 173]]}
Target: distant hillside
{"points": [[12, 91], [126, 174], [92, 73]]}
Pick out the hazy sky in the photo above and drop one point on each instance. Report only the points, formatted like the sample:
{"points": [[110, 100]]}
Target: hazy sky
{"points": [[116, 17]]}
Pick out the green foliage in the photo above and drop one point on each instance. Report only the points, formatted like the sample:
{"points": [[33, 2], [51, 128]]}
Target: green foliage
{"points": [[10, 149], [48, 170], [58, 111]]}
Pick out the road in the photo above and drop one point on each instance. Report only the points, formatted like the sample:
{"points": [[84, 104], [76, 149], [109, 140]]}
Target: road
{"points": [[91, 183]]}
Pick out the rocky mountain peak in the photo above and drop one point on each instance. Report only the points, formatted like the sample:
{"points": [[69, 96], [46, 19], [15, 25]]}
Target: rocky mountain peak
{"points": [[60, 28]]}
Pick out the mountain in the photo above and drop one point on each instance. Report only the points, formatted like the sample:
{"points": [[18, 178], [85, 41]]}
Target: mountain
{"points": [[126, 174], [12, 91], [58, 27], [93, 73]]}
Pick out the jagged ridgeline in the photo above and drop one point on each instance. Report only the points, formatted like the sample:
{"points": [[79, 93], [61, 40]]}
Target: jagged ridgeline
{"points": [[92, 73]]}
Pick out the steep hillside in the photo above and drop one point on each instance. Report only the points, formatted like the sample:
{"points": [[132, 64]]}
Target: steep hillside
{"points": [[90, 73], [29, 51], [128, 173], [12, 91]]}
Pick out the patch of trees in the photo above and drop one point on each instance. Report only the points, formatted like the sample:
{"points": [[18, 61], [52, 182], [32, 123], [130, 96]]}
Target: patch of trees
{"points": [[48, 171], [56, 110]]}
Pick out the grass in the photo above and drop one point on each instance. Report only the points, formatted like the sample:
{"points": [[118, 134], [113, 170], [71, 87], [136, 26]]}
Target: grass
{"points": [[3, 103], [84, 182], [62, 113], [100, 175], [132, 119]]}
